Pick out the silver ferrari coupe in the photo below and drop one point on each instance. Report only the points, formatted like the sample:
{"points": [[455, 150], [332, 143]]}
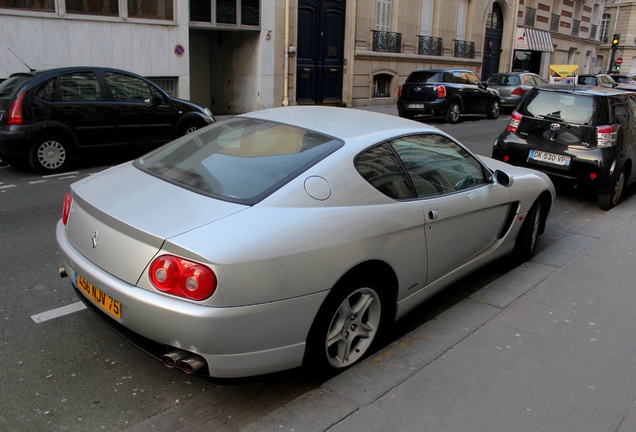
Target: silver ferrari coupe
{"points": [[289, 236]]}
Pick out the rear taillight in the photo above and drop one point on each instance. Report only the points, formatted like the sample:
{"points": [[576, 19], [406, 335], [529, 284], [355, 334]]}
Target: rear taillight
{"points": [[400, 91], [441, 92], [66, 210], [606, 136], [517, 92], [182, 278], [515, 119], [15, 113]]}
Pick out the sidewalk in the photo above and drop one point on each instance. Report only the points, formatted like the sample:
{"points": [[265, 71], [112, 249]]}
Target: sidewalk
{"points": [[550, 346]]}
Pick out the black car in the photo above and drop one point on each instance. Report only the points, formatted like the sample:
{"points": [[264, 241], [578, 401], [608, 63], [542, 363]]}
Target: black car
{"points": [[49, 117], [583, 134], [446, 92]]}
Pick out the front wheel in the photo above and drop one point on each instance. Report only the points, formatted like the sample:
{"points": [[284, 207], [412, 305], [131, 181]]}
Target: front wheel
{"points": [[49, 155], [493, 109], [527, 237], [609, 199], [346, 326], [453, 113]]}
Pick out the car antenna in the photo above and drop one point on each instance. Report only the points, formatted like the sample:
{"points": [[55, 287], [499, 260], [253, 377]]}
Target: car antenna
{"points": [[28, 67]]}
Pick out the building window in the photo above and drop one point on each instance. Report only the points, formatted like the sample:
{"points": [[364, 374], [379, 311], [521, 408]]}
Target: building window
{"points": [[32, 5], [151, 9], [168, 84], [382, 85], [495, 18], [605, 21], [383, 15], [237, 13], [93, 7]]}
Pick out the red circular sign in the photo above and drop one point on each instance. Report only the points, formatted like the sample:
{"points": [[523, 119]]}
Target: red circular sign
{"points": [[619, 60]]}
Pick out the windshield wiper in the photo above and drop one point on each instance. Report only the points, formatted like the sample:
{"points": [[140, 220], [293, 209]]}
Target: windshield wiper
{"points": [[555, 118]]}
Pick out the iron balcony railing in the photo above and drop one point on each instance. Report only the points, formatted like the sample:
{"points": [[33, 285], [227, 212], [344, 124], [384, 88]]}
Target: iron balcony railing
{"points": [[464, 49], [429, 45], [387, 41]]}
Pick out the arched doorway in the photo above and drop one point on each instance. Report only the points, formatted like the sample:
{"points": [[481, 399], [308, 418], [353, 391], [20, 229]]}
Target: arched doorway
{"points": [[492, 43], [320, 58]]}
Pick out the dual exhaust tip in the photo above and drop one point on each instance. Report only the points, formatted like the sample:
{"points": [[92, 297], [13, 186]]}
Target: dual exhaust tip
{"points": [[184, 360]]}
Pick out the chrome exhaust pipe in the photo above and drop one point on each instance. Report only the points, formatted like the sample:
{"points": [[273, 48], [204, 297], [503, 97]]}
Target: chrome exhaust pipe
{"points": [[173, 358], [62, 271], [192, 364]]}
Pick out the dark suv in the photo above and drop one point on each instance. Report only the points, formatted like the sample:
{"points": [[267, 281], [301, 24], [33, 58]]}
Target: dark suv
{"points": [[48, 117], [446, 92], [583, 134]]}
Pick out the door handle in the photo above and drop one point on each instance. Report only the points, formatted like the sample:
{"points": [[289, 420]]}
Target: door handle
{"points": [[433, 214]]}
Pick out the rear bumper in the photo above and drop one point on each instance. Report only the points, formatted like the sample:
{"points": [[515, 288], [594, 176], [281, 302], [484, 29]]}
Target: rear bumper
{"points": [[13, 141], [412, 108], [591, 168], [234, 341]]}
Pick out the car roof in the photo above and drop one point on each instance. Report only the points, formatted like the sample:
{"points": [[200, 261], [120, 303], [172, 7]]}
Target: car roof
{"points": [[55, 71], [347, 124], [443, 70], [582, 89]]}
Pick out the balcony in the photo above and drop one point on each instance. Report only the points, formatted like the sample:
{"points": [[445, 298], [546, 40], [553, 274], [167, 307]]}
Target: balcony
{"points": [[387, 41], [464, 49], [428, 45]]}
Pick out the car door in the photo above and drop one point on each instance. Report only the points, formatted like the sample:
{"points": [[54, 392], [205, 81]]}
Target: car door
{"points": [[82, 105], [465, 212], [145, 115], [475, 95]]}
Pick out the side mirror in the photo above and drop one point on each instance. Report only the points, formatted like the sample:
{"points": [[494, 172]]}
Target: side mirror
{"points": [[502, 178]]}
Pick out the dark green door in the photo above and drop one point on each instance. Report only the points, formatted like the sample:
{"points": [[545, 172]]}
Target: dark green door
{"points": [[320, 48]]}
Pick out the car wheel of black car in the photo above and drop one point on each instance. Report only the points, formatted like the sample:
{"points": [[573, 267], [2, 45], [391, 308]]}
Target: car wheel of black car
{"points": [[192, 127], [609, 199], [49, 154], [493, 109], [453, 113], [527, 237], [346, 326]]}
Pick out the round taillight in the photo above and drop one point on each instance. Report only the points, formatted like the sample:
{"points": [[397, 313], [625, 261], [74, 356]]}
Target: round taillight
{"points": [[66, 210], [182, 278], [593, 176], [441, 92], [506, 158]]}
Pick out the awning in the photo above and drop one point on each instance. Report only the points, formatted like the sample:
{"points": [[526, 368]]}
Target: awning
{"points": [[563, 70], [533, 40]]}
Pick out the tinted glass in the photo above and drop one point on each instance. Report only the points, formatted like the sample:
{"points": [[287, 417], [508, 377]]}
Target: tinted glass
{"points": [[382, 169], [503, 80], [240, 160], [567, 106], [10, 87], [80, 86], [93, 7], [47, 91], [127, 88], [425, 76]]}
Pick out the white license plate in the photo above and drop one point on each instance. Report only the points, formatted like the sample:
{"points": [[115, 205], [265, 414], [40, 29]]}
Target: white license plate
{"points": [[552, 158], [416, 106]]}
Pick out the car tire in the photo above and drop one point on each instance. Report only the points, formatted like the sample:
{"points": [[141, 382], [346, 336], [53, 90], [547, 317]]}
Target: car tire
{"points": [[49, 155], [609, 199], [192, 127], [493, 109], [527, 237], [453, 113], [347, 325]]}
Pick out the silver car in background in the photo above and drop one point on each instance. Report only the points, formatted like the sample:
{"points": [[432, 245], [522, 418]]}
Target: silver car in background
{"points": [[513, 85], [289, 236]]}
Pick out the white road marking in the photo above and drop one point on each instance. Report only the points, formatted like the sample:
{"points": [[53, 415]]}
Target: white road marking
{"points": [[8, 186], [72, 173], [59, 312]]}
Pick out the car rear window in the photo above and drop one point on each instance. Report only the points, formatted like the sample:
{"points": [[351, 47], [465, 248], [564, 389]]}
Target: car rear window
{"points": [[10, 87], [572, 108], [240, 160], [504, 80], [425, 76]]}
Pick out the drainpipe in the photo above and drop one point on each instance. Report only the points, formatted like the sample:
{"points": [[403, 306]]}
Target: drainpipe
{"points": [[286, 69]]}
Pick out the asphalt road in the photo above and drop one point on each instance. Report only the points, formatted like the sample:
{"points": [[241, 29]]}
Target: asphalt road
{"points": [[64, 370]]}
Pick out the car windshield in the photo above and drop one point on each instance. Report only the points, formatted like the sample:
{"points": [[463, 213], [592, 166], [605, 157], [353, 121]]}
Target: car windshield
{"points": [[10, 87], [425, 76], [570, 107], [504, 80], [240, 160]]}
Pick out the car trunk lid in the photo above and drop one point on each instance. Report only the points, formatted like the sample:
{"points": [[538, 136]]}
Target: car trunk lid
{"points": [[122, 232]]}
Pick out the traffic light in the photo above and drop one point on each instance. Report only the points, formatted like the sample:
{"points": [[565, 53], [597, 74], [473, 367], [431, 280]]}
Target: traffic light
{"points": [[615, 40], [618, 68]]}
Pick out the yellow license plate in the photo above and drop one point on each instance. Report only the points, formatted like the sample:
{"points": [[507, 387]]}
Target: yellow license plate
{"points": [[106, 302]]}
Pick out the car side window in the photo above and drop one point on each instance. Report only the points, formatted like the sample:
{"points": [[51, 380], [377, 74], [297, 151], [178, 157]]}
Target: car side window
{"points": [[437, 165], [473, 79], [46, 91], [80, 86], [460, 78], [528, 80], [127, 88], [382, 169]]}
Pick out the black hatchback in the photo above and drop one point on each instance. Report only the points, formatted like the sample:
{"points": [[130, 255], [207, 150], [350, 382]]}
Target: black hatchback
{"points": [[583, 134], [49, 117]]}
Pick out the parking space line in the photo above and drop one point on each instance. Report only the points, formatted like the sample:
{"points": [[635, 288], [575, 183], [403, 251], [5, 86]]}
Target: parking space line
{"points": [[56, 313]]}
